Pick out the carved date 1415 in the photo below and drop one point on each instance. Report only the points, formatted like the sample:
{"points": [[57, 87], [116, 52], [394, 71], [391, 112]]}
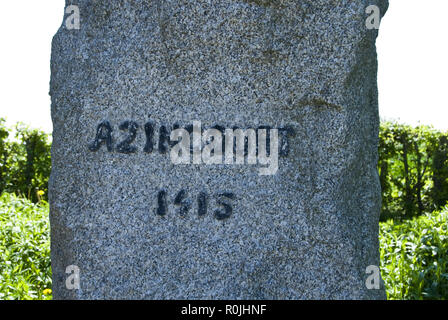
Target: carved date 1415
{"points": [[184, 204]]}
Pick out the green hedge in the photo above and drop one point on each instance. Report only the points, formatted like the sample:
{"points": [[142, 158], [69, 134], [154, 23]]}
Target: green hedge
{"points": [[413, 168], [25, 161]]}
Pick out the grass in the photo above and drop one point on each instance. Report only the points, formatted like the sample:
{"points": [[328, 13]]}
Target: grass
{"points": [[414, 253]]}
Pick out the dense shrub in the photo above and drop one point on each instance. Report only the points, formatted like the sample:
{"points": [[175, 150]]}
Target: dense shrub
{"points": [[413, 168], [25, 161], [25, 271], [414, 257], [4, 156]]}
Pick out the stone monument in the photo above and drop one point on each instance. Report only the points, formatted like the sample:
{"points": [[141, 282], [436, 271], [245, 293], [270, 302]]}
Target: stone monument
{"points": [[220, 149]]}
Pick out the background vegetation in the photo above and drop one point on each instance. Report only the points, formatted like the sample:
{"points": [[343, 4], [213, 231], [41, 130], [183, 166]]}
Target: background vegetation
{"points": [[25, 161], [414, 257], [413, 169], [25, 271]]}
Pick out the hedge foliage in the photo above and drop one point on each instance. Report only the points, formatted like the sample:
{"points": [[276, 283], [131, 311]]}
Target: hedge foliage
{"points": [[25, 161], [413, 169]]}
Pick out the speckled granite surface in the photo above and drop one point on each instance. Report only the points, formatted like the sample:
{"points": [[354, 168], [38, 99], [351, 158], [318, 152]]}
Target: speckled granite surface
{"points": [[140, 227]]}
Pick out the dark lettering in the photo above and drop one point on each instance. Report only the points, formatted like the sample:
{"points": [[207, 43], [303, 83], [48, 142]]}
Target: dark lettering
{"points": [[202, 204], [161, 201], [149, 132], [181, 201], [103, 135], [125, 145], [228, 210]]}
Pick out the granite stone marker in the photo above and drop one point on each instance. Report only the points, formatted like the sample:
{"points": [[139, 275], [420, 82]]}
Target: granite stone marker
{"points": [[150, 99]]}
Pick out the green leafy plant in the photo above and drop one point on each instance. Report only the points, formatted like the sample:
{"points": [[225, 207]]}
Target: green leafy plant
{"points": [[414, 257], [25, 270]]}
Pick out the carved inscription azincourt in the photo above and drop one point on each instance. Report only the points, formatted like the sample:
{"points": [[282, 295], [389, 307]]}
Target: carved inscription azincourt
{"points": [[159, 140]]}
